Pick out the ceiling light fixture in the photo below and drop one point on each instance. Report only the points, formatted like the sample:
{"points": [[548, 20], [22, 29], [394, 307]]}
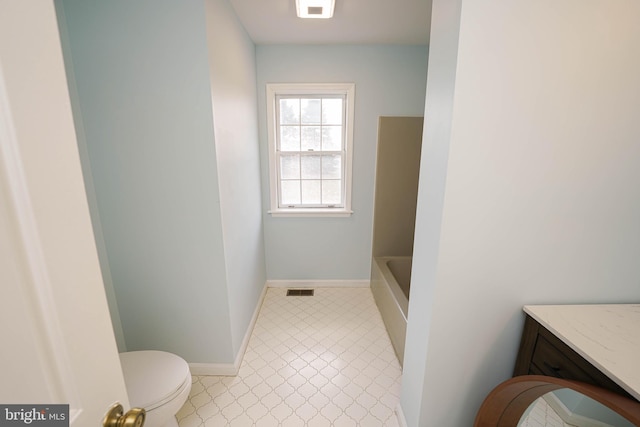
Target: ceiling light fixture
{"points": [[315, 8]]}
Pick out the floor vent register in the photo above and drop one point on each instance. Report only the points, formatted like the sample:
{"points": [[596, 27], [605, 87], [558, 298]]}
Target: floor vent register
{"points": [[300, 292]]}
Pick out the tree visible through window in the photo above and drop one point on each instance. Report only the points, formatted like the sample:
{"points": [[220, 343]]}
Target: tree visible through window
{"points": [[310, 147]]}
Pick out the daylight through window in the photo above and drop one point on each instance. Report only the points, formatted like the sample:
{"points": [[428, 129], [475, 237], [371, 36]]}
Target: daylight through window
{"points": [[310, 148]]}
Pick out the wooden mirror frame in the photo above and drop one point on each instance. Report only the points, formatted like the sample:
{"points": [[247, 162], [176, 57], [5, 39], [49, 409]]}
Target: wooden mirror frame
{"points": [[505, 404]]}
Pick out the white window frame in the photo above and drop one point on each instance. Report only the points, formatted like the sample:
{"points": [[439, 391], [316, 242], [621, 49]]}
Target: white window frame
{"points": [[305, 89]]}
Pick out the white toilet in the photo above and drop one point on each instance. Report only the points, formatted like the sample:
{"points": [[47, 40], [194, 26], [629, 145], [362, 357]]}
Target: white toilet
{"points": [[157, 381]]}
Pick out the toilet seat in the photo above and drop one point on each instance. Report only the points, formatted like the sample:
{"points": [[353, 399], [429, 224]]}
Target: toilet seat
{"points": [[154, 378]]}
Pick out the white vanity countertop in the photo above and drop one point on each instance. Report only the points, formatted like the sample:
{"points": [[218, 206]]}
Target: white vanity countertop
{"points": [[608, 336]]}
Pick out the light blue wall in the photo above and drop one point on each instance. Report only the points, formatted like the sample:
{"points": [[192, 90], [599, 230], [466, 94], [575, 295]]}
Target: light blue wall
{"points": [[438, 117], [390, 81], [233, 91], [88, 184], [529, 192], [141, 73]]}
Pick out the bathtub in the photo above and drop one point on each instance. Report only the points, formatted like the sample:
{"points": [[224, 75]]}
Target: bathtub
{"points": [[390, 285]]}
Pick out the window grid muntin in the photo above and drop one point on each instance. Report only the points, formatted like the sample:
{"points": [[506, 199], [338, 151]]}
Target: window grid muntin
{"points": [[310, 152], [301, 154]]}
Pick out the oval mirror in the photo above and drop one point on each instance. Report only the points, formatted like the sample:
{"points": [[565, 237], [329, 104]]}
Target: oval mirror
{"points": [[568, 408], [536, 400]]}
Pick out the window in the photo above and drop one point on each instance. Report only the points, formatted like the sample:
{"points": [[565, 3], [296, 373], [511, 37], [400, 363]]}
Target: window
{"points": [[310, 148]]}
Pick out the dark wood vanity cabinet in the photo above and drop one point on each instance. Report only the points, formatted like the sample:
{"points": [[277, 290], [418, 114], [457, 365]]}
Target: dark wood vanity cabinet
{"points": [[542, 353]]}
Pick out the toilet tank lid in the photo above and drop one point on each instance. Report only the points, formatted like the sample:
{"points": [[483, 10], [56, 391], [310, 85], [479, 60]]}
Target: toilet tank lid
{"points": [[152, 376]]}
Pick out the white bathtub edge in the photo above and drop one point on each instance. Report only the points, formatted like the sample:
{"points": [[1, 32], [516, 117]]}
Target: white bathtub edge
{"points": [[395, 320]]}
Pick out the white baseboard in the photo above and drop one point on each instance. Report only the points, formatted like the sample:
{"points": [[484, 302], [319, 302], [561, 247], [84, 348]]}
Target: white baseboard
{"points": [[247, 335], [230, 369], [318, 283], [402, 422]]}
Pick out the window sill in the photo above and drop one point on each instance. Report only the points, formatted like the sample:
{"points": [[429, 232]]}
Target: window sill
{"points": [[315, 212]]}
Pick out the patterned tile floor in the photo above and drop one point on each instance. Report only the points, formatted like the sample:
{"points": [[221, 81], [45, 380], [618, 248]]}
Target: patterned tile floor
{"points": [[322, 360]]}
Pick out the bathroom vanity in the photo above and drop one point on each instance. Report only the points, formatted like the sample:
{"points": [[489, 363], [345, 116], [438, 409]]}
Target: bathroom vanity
{"points": [[595, 344]]}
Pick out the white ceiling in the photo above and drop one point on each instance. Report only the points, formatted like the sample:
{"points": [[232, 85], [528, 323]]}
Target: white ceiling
{"points": [[353, 22]]}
